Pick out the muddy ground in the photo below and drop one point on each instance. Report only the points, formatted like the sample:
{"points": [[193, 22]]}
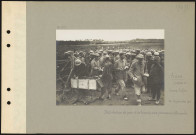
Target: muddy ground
{"points": [[90, 97]]}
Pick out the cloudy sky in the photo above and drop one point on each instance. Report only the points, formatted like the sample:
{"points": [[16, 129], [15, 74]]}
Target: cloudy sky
{"points": [[110, 35]]}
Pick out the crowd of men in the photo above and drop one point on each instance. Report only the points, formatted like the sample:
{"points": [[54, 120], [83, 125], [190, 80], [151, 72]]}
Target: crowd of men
{"points": [[143, 69]]}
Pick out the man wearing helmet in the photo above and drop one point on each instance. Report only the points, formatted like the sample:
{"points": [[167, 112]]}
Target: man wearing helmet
{"points": [[81, 57], [95, 65], [116, 56], [136, 72], [69, 56], [149, 62], [156, 75], [102, 57], [107, 77], [79, 69], [120, 67]]}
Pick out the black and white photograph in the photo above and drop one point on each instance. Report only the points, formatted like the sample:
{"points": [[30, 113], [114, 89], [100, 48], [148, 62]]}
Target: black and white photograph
{"points": [[110, 67], [104, 67]]}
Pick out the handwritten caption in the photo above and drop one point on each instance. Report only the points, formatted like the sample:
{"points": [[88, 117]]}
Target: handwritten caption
{"points": [[179, 83], [179, 86], [141, 112]]}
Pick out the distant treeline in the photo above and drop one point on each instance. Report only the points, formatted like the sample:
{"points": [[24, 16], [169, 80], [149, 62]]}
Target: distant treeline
{"points": [[87, 42], [148, 40], [72, 42]]}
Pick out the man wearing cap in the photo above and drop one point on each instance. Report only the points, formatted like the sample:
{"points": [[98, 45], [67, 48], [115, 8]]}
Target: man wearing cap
{"points": [[120, 67], [116, 56], [111, 57], [133, 56], [156, 75], [81, 57], [128, 61], [137, 51], [76, 54], [156, 53], [91, 51], [87, 59], [136, 72], [101, 51], [107, 77], [67, 66], [149, 62], [69, 56], [162, 64], [103, 57], [100, 54], [162, 57], [95, 66], [79, 69], [128, 58]]}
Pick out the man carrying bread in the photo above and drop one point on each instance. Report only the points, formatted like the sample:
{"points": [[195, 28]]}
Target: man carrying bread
{"points": [[136, 73]]}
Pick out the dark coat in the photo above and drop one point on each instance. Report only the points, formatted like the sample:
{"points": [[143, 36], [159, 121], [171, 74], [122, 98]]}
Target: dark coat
{"points": [[107, 71], [80, 70], [107, 75], [120, 74], [156, 74]]}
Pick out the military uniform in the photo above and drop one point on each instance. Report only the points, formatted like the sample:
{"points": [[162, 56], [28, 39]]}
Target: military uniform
{"points": [[137, 70], [120, 74], [156, 75], [95, 67], [107, 77]]}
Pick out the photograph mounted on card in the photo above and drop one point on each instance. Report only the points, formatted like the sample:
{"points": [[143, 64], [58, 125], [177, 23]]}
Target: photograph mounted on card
{"points": [[97, 67]]}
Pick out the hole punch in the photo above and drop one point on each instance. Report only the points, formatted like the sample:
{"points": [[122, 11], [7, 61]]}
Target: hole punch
{"points": [[8, 45], [8, 102], [8, 89], [8, 31]]}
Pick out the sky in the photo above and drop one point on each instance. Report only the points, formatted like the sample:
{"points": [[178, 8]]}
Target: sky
{"points": [[110, 35]]}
